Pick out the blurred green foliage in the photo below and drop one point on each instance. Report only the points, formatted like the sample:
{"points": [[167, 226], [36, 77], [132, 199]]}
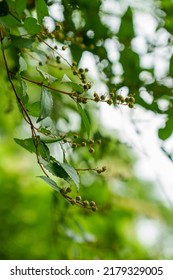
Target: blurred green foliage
{"points": [[35, 221]]}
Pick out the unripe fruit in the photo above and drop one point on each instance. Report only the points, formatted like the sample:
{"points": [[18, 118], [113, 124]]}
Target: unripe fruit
{"points": [[127, 99], [78, 198], [109, 101], [73, 201], [85, 203], [64, 48], [91, 141], [68, 190], [63, 191], [122, 100], [91, 150], [99, 171], [130, 105], [104, 168], [111, 94], [131, 99], [119, 97], [83, 144], [102, 97], [97, 99], [74, 145], [92, 204]]}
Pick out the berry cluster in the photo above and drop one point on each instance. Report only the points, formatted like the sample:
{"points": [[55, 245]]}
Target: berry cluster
{"points": [[78, 200], [128, 100], [80, 142]]}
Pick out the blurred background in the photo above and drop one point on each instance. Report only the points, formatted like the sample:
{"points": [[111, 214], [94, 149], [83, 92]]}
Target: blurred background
{"points": [[127, 47]]}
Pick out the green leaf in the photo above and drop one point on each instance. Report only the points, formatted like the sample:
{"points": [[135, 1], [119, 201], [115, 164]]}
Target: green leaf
{"points": [[51, 79], [22, 90], [72, 173], [126, 31], [20, 6], [27, 144], [57, 170], [166, 131], [53, 140], [46, 104], [75, 87], [50, 182], [30, 146], [6, 43], [85, 119], [41, 9], [22, 64], [43, 151], [34, 109], [31, 25], [20, 42], [4, 9]]}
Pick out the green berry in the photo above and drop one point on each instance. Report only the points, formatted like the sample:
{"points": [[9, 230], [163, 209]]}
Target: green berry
{"points": [[85, 203], [102, 97], [83, 144], [99, 141], [78, 198], [91, 141], [92, 204], [104, 168], [73, 201], [64, 48], [99, 171], [91, 150], [109, 101], [68, 190], [131, 99]]}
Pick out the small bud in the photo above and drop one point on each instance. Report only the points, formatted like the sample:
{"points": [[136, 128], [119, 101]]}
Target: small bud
{"points": [[94, 208]]}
